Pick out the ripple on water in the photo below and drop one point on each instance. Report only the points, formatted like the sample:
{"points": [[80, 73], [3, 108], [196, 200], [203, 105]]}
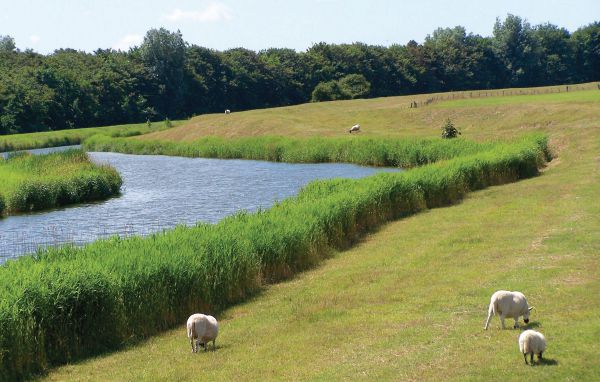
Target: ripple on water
{"points": [[160, 192]]}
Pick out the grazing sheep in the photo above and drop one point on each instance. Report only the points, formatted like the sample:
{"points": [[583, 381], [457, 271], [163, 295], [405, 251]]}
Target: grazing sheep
{"points": [[354, 128], [508, 304], [532, 342], [227, 111], [203, 329]]}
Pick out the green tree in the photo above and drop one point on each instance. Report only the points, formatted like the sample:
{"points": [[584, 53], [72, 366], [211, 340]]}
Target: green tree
{"points": [[587, 52], [354, 86], [7, 44], [328, 91], [515, 47], [557, 54], [163, 53]]}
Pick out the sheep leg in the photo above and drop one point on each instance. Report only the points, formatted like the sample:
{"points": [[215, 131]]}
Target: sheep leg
{"points": [[489, 318], [540, 356], [516, 323], [502, 320], [215, 346], [192, 343], [531, 358], [525, 357]]}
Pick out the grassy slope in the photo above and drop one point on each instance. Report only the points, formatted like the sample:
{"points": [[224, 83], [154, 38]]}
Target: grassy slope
{"points": [[409, 302]]}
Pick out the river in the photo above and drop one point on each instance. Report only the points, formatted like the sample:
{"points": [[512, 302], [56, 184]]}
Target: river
{"points": [[160, 192]]}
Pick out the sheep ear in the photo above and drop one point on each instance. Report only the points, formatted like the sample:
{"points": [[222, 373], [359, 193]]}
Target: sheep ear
{"points": [[531, 308]]}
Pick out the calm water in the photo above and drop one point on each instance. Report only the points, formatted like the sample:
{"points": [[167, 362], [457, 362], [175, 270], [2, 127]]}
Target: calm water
{"points": [[160, 192]]}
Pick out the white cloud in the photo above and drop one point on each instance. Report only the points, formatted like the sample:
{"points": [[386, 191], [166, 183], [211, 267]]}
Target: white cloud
{"points": [[128, 41], [34, 38], [213, 12]]}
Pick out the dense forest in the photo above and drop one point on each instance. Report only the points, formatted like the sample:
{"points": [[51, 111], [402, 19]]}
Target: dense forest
{"points": [[166, 77]]}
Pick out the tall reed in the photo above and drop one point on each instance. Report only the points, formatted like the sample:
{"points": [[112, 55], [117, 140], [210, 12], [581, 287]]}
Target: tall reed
{"points": [[396, 152], [69, 137], [34, 182], [66, 303]]}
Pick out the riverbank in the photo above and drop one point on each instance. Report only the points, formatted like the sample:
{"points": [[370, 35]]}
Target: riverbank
{"points": [[420, 284], [67, 137], [113, 291], [35, 182]]}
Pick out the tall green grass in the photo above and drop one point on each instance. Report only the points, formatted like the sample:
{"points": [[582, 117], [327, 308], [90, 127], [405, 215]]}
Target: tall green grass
{"points": [[34, 182], [405, 152], [68, 137], [67, 303]]}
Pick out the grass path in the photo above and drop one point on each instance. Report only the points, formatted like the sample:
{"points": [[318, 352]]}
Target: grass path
{"points": [[409, 302]]}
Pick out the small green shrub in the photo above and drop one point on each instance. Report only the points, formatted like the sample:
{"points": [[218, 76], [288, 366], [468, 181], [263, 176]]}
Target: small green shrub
{"points": [[355, 86], [449, 130]]}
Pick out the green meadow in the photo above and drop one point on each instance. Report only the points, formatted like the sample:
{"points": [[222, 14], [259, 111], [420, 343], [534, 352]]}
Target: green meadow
{"points": [[383, 278], [35, 182]]}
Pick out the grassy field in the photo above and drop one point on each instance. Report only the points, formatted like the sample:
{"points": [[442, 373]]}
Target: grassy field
{"points": [[34, 182], [410, 300], [75, 136]]}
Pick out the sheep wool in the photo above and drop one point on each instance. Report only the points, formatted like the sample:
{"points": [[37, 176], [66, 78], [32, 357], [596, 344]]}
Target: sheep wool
{"points": [[202, 329], [532, 342]]}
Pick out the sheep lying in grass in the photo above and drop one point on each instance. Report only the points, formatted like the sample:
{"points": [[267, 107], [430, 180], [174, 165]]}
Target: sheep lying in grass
{"points": [[508, 304], [532, 342], [355, 128], [202, 329]]}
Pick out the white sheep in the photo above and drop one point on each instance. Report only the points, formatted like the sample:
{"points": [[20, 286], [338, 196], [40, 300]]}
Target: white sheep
{"points": [[227, 111], [532, 342], [203, 329], [508, 304], [355, 128]]}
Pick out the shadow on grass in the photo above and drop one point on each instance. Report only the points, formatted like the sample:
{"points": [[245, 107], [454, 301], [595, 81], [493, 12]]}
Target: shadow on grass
{"points": [[210, 348], [547, 362], [531, 325]]}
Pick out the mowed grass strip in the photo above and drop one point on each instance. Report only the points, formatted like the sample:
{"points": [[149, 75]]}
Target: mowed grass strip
{"points": [[34, 182], [410, 300]]}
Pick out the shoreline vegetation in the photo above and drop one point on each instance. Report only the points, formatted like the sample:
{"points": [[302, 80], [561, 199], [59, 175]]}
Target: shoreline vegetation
{"points": [[36, 182], [365, 151], [68, 303], [66, 137]]}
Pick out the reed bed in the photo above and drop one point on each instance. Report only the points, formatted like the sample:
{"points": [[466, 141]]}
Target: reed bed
{"points": [[405, 152], [34, 182], [69, 137], [67, 303]]}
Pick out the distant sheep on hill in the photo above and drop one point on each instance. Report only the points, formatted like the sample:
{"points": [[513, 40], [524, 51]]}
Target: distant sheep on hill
{"points": [[355, 128], [227, 111], [508, 304]]}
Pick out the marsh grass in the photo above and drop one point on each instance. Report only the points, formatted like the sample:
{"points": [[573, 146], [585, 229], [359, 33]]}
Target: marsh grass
{"points": [[67, 303], [34, 182], [68, 137], [367, 151]]}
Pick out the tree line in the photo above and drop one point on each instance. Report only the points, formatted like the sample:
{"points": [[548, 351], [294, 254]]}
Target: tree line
{"points": [[165, 77]]}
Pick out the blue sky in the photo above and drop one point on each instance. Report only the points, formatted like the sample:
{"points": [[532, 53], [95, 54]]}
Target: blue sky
{"points": [[46, 25]]}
